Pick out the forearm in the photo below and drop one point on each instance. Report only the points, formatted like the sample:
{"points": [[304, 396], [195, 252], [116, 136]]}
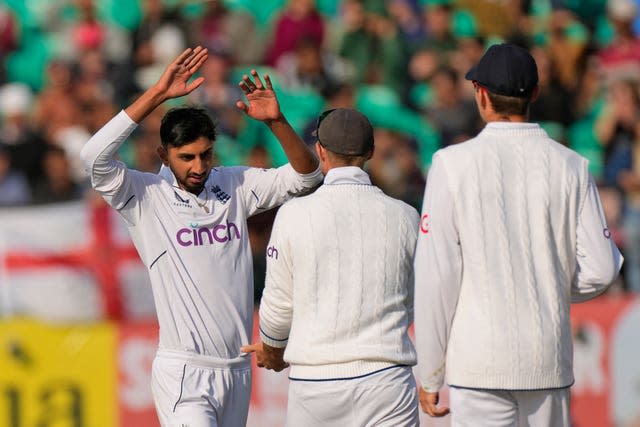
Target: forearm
{"points": [[145, 104], [300, 156]]}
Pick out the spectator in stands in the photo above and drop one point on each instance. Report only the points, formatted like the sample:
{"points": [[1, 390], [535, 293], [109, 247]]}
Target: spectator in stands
{"points": [[551, 105], [588, 92], [371, 43], [455, 118], [567, 47], [618, 128], [24, 142], [8, 37], [299, 19], [437, 18], [55, 106], [470, 50], [394, 167], [57, 184], [144, 155], [629, 182], [94, 90], [14, 187], [217, 94], [232, 30], [159, 37], [308, 67], [406, 16], [336, 94], [621, 57]]}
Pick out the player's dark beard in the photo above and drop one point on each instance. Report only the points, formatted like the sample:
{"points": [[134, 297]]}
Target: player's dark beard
{"points": [[193, 189]]}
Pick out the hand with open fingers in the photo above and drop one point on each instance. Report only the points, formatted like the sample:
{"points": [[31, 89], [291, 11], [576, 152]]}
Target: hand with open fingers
{"points": [[429, 404], [174, 81], [262, 101], [266, 356]]}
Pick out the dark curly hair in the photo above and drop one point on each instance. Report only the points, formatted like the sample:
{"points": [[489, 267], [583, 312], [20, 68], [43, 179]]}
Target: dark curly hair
{"points": [[183, 125]]}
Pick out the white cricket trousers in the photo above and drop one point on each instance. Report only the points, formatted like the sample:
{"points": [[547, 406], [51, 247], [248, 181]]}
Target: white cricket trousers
{"points": [[504, 408], [199, 391], [386, 398]]}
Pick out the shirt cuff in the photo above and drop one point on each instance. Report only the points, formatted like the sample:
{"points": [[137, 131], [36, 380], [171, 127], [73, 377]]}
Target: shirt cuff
{"points": [[273, 341]]}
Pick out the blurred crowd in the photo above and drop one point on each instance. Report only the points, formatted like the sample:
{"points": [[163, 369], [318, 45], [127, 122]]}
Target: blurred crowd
{"points": [[68, 66]]}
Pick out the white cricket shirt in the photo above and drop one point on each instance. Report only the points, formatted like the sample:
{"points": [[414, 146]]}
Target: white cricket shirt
{"points": [[199, 263]]}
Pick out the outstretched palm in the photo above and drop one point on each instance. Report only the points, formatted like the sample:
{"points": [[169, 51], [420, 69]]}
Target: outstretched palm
{"points": [[174, 82], [263, 104]]}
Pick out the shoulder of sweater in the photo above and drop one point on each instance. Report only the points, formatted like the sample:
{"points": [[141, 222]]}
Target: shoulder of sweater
{"points": [[409, 211], [298, 203], [457, 152], [308, 200]]}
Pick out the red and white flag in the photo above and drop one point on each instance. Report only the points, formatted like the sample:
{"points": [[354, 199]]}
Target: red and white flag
{"points": [[70, 262]]}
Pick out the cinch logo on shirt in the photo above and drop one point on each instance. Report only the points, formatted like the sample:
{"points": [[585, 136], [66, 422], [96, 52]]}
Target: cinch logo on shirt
{"points": [[219, 233], [272, 252]]}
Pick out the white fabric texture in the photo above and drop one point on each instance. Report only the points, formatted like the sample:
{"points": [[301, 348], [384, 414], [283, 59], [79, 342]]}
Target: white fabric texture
{"points": [[339, 285], [384, 399], [502, 408], [199, 263], [179, 382], [511, 230]]}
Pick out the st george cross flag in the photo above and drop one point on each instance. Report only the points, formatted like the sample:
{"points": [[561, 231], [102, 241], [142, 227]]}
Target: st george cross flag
{"points": [[70, 262]]}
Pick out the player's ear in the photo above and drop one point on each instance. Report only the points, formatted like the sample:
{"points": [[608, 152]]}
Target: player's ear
{"points": [[535, 93], [369, 154], [320, 151], [164, 156]]}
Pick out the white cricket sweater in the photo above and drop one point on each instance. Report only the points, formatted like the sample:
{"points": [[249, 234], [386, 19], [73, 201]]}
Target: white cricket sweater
{"points": [[511, 230], [199, 263], [339, 287]]}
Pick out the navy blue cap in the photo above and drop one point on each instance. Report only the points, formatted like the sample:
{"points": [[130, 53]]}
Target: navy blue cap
{"points": [[506, 69]]}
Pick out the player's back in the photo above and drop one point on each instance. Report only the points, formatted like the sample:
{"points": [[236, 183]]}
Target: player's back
{"points": [[517, 196], [352, 249]]}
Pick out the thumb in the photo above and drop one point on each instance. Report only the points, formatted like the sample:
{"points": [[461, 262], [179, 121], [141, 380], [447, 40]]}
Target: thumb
{"points": [[242, 106]]}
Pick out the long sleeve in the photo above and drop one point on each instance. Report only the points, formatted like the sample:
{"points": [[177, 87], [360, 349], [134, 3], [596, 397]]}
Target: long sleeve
{"points": [[118, 185], [438, 277], [276, 306], [598, 258], [98, 154], [267, 188]]}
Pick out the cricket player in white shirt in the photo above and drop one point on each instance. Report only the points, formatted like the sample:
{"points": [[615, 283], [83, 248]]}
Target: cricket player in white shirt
{"points": [[338, 292], [188, 224], [512, 232]]}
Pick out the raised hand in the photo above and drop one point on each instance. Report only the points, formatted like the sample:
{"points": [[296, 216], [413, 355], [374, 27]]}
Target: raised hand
{"points": [[174, 81], [263, 104]]}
